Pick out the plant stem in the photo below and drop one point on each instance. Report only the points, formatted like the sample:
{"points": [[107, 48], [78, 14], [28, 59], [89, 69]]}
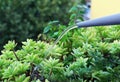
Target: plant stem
{"points": [[16, 55], [50, 73]]}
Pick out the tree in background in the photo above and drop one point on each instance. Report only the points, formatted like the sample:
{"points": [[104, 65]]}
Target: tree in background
{"points": [[22, 19]]}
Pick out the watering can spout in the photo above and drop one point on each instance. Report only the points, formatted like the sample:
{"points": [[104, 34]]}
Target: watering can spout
{"points": [[103, 21]]}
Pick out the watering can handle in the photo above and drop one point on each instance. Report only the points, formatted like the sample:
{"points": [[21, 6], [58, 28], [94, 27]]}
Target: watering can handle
{"points": [[103, 21]]}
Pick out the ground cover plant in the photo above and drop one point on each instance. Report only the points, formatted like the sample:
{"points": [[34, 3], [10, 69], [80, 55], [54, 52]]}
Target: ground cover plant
{"points": [[82, 55]]}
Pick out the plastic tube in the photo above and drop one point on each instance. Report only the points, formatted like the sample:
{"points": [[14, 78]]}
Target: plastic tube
{"points": [[103, 21]]}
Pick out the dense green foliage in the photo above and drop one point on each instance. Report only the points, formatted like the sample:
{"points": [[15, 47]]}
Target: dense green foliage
{"points": [[83, 55], [22, 19], [25, 62]]}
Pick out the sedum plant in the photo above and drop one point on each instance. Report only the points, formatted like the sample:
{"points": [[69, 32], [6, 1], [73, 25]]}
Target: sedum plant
{"points": [[53, 69], [99, 45], [83, 55], [22, 65]]}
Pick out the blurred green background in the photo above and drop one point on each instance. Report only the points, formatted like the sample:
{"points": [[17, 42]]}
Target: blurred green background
{"points": [[22, 19]]}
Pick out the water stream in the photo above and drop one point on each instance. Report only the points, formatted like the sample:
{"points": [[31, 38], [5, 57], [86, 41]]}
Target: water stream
{"points": [[60, 37]]}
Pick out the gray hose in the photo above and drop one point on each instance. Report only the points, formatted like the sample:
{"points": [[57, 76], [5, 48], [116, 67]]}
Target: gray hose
{"points": [[103, 21]]}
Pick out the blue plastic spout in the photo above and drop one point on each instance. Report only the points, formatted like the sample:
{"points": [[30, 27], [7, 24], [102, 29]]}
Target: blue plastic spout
{"points": [[103, 21]]}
